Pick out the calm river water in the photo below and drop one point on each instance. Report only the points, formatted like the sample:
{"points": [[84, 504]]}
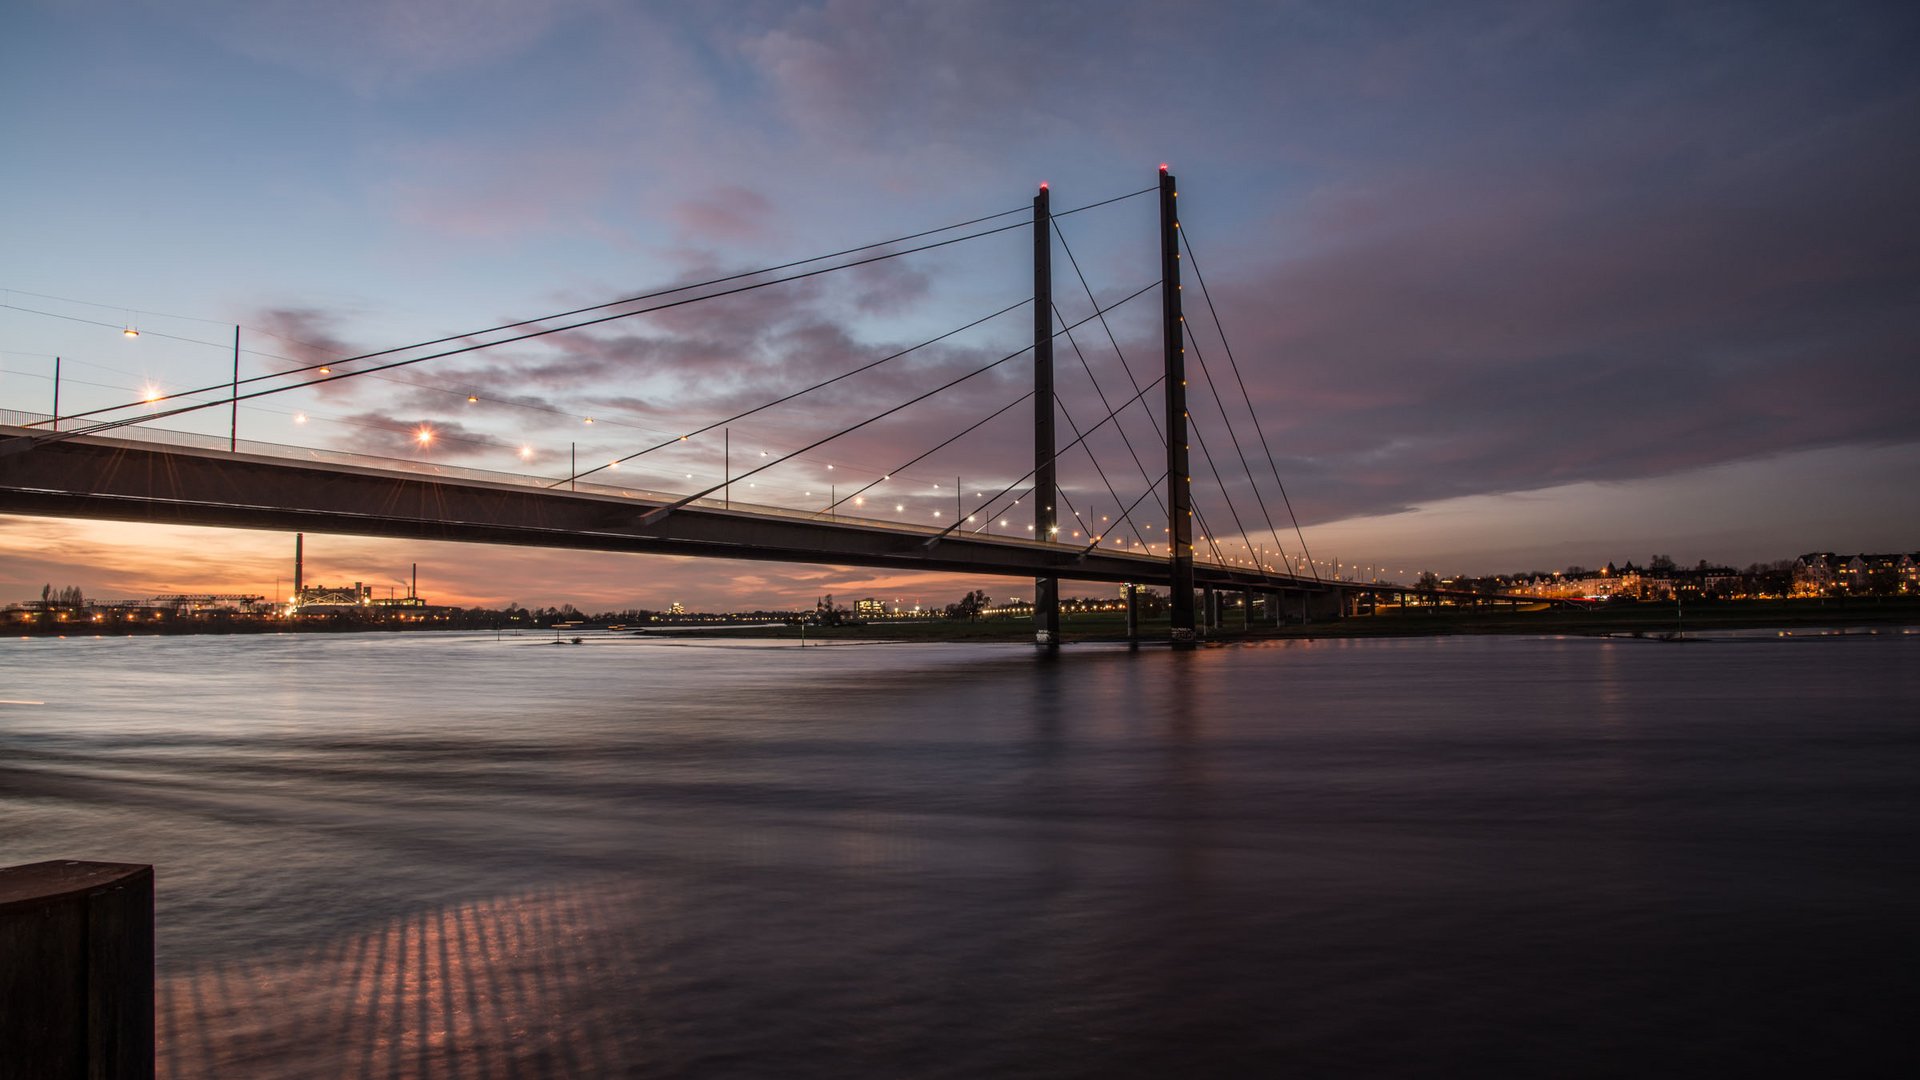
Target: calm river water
{"points": [[456, 855]]}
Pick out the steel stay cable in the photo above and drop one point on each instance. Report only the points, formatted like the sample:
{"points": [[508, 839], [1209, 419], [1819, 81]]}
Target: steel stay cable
{"points": [[798, 393], [1111, 339], [1159, 434], [1248, 469], [487, 442], [127, 422], [226, 386], [576, 311], [429, 387], [1102, 202], [1200, 278], [990, 516], [1064, 411], [1055, 456], [1200, 522], [560, 314], [1083, 521], [1151, 488], [1233, 511], [671, 507], [1101, 314], [902, 469], [114, 307], [110, 326], [1128, 368], [482, 441], [1103, 400], [1075, 511]]}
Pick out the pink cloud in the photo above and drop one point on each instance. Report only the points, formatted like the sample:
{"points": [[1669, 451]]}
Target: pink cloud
{"points": [[728, 212]]}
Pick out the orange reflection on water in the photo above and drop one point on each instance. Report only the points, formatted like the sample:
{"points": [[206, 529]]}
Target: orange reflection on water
{"points": [[520, 985]]}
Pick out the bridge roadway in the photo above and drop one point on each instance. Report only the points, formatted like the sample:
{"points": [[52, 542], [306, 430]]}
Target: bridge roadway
{"points": [[260, 488]]}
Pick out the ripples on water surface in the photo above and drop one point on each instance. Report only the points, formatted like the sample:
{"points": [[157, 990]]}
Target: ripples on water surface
{"points": [[440, 855]]}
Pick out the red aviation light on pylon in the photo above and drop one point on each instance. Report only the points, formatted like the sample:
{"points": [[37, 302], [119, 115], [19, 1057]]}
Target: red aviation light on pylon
{"points": [[1043, 185], [1163, 166]]}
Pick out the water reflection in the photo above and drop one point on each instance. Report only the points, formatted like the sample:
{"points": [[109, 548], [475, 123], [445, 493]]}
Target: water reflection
{"points": [[452, 857], [516, 985]]}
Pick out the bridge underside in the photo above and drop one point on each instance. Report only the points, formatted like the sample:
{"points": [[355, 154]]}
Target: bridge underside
{"points": [[121, 480]]}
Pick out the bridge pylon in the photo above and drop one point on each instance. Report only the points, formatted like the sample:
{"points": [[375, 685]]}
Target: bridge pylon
{"points": [[1179, 476], [1046, 590]]}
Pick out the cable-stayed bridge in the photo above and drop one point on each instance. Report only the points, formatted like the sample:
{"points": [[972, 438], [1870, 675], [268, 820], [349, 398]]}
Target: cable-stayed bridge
{"points": [[112, 462]]}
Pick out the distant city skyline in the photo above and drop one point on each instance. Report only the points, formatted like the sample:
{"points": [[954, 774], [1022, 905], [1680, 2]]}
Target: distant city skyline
{"points": [[1511, 287]]}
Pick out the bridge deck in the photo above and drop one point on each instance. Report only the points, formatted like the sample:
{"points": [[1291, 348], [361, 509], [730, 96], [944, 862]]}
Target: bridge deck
{"points": [[142, 480]]}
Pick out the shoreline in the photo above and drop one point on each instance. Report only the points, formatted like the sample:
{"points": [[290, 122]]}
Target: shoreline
{"points": [[1627, 621]]}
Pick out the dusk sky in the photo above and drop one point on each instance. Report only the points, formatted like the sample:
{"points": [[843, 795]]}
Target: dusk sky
{"points": [[1512, 286]]}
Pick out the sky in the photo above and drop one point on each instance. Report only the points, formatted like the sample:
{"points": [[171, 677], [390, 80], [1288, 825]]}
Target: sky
{"points": [[1507, 286]]}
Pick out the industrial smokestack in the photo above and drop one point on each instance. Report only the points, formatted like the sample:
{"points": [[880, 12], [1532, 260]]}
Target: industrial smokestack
{"points": [[413, 591], [299, 564]]}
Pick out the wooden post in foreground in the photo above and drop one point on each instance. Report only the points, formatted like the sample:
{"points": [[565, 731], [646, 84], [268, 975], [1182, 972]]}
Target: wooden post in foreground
{"points": [[76, 971]]}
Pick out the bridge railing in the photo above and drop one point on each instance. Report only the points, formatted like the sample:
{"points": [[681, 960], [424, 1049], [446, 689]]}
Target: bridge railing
{"points": [[597, 486]]}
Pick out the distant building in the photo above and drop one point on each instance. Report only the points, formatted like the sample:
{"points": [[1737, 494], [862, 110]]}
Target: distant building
{"points": [[392, 603], [1823, 573], [869, 608], [320, 599]]}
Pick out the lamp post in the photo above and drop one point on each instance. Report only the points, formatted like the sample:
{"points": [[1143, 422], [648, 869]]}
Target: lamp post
{"points": [[233, 420]]}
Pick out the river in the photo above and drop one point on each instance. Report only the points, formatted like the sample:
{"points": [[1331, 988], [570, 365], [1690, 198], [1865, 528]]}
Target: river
{"points": [[481, 856]]}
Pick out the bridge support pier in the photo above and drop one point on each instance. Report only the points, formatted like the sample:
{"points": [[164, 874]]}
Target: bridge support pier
{"points": [[1133, 615], [1046, 614]]}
